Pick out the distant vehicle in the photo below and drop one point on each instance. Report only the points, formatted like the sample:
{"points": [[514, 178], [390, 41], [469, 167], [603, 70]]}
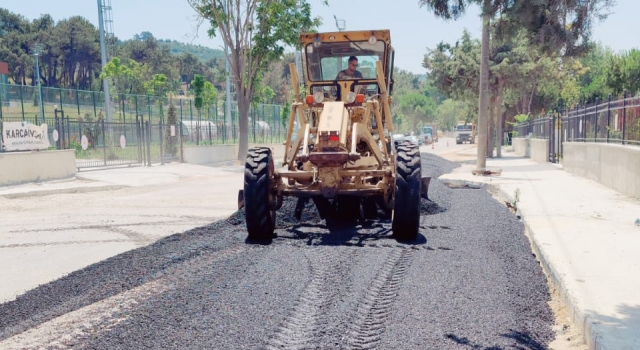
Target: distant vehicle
{"points": [[414, 139], [397, 138], [440, 134], [180, 92], [465, 132], [430, 133]]}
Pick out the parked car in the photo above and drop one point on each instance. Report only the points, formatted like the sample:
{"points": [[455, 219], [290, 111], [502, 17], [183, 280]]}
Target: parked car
{"points": [[397, 138], [415, 139]]}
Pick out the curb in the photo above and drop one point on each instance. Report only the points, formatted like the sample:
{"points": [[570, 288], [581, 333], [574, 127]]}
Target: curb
{"points": [[590, 335]]}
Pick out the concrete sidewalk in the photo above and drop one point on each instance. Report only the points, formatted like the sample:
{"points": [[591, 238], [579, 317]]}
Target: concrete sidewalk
{"points": [[585, 236]]}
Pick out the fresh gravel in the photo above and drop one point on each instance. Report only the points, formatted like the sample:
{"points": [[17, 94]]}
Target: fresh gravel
{"points": [[469, 281]]}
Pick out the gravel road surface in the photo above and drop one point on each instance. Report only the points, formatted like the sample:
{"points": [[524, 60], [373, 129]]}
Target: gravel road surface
{"points": [[469, 281]]}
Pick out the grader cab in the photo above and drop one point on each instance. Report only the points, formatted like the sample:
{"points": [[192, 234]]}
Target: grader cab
{"points": [[342, 157]]}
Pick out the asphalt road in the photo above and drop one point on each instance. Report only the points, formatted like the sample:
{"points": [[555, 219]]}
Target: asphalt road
{"points": [[469, 281]]}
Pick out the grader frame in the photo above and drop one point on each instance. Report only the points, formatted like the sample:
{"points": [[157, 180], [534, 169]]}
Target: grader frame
{"points": [[343, 156]]}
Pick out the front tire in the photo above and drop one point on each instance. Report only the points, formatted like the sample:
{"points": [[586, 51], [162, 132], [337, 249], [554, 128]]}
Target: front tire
{"points": [[406, 212], [258, 174]]}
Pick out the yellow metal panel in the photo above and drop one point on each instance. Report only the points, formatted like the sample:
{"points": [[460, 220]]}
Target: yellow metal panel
{"points": [[332, 118], [295, 81], [356, 35]]}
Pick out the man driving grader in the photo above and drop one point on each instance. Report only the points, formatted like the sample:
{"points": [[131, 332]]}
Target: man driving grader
{"points": [[342, 157]]}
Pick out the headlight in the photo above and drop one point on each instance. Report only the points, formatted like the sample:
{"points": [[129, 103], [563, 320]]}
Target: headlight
{"points": [[351, 97], [318, 97]]}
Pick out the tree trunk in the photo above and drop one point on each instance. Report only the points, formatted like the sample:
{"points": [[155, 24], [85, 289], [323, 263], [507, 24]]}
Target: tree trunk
{"points": [[533, 92], [481, 162], [500, 119], [490, 133], [243, 123]]}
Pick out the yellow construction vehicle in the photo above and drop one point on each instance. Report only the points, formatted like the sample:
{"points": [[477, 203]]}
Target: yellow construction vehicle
{"points": [[342, 157]]}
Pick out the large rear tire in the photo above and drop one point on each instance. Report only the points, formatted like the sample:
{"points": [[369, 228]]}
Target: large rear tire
{"points": [[406, 212], [258, 174]]}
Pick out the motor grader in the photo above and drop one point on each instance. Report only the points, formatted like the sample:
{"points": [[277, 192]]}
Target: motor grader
{"points": [[342, 157]]}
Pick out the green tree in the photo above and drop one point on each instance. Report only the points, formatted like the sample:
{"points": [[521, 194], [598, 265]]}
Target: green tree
{"points": [[78, 42], [450, 112], [415, 109], [554, 25], [623, 72], [452, 9], [197, 86], [15, 45], [118, 73], [255, 33], [209, 96], [158, 86]]}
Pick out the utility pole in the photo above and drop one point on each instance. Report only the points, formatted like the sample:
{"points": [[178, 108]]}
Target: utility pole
{"points": [[103, 54], [37, 50], [483, 120], [227, 105]]}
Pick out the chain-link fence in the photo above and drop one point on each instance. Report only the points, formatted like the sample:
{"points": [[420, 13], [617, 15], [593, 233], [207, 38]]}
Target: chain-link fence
{"points": [[208, 126], [143, 129]]}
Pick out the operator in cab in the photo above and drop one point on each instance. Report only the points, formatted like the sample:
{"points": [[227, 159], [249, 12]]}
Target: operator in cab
{"points": [[351, 72]]}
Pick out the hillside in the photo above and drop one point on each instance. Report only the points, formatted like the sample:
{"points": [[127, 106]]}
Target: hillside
{"points": [[203, 53]]}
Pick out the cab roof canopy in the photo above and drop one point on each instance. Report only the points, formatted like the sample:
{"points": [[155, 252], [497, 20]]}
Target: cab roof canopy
{"points": [[347, 36]]}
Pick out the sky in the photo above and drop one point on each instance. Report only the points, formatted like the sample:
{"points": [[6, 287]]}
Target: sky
{"points": [[413, 29]]}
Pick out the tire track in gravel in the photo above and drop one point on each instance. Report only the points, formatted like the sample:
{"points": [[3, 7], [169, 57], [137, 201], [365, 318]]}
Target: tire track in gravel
{"points": [[71, 329], [371, 314], [301, 328], [177, 222]]}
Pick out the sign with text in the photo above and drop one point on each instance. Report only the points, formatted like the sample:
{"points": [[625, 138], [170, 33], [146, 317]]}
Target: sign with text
{"points": [[24, 136]]}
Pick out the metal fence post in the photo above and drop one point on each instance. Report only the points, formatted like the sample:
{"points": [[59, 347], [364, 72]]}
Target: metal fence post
{"points": [[561, 134], [149, 106], [139, 139], [553, 135], [624, 114], [61, 99], [143, 134], [181, 133], [56, 126], [584, 123], [93, 99], [161, 143], [66, 127], [608, 116], [104, 144], [22, 101], [148, 132], [78, 100], [595, 134], [135, 101]]}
